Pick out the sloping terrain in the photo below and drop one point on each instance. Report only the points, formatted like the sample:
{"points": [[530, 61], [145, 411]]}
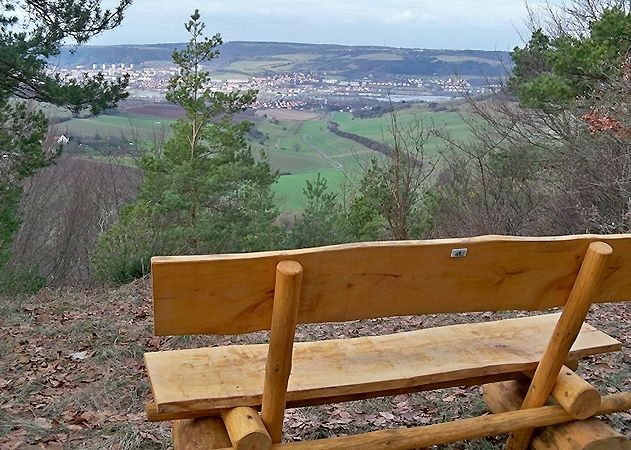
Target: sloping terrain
{"points": [[269, 58], [72, 375]]}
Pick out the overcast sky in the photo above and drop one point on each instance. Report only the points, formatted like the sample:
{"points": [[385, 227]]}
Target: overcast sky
{"points": [[458, 24]]}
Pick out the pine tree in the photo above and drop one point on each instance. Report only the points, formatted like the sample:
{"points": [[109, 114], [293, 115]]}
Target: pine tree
{"points": [[205, 193], [323, 220], [552, 73], [31, 32]]}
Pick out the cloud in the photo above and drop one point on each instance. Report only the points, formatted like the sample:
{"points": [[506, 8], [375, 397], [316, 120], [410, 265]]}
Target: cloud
{"points": [[416, 23], [402, 17]]}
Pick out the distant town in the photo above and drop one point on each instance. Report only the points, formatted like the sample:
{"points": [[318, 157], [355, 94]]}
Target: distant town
{"points": [[290, 91]]}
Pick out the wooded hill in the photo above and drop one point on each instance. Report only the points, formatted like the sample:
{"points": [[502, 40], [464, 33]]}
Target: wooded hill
{"points": [[266, 58]]}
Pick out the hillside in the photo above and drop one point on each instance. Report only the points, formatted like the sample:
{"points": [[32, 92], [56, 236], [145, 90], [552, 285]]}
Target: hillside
{"points": [[88, 389], [266, 58], [298, 144]]}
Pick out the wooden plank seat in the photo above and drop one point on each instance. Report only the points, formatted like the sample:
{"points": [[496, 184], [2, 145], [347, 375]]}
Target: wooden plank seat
{"points": [[240, 293], [204, 379]]}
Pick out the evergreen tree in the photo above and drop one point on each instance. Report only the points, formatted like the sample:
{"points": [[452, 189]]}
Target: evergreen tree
{"points": [[323, 220], [205, 193], [31, 32], [552, 73]]}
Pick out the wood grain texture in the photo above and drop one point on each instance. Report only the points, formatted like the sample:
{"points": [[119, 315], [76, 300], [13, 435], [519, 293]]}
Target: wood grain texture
{"points": [[154, 416], [458, 430], [590, 434], [210, 295], [205, 378], [200, 434], [565, 331], [579, 398], [246, 430], [279, 355]]}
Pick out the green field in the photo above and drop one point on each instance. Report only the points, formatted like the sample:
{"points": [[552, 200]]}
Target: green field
{"points": [[302, 149], [298, 149], [305, 146], [378, 128], [289, 188], [107, 126]]}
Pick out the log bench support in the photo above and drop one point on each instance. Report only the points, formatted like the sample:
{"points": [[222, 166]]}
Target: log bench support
{"points": [[564, 335], [279, 356], [200, 434], [579, 398], [590, 434], [438, 434], [245, 429]]}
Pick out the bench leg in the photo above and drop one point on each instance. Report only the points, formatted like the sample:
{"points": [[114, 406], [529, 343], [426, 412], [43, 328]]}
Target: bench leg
{"points": [[284, 317], [590, 434], [565, 332], [240, 429]]}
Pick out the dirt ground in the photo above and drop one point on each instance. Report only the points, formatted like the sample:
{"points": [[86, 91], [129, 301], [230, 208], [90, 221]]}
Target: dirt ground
{"points": [[72, 374]]}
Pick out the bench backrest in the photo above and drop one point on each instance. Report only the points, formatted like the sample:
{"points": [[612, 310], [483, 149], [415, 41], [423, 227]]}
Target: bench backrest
{"points": [[231, 294]]}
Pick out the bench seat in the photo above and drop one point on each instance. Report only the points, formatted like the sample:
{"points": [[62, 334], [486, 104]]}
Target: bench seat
{"points": [[206, 380]]}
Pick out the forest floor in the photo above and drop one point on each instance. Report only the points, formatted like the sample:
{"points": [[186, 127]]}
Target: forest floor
{"points": [[72, 374]]}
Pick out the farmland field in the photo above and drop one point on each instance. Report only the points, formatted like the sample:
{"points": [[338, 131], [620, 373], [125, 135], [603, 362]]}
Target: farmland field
{"points": [[378, 128], [287, 114], [300, 150], [289, 188], [297, 144], [107, 126]]}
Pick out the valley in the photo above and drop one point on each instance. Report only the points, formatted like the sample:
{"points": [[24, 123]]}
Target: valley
{"points": [[297, 144]]}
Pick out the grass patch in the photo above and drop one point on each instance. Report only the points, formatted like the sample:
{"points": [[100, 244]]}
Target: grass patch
{"points": [[289, 188], [112, 127], [377, 128]]}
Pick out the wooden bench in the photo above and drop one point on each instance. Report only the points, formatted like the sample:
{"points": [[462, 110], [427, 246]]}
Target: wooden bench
{"points": [[214, 395]]}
